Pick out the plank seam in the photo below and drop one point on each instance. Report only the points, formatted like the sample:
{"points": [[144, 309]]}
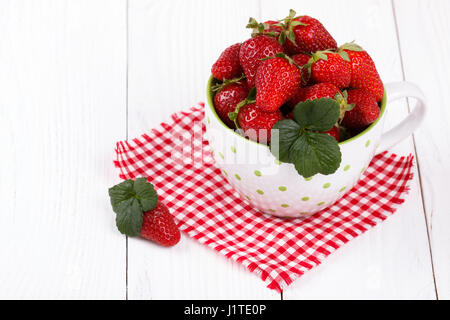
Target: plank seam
{"points": [[126, 126], [397, 32]]}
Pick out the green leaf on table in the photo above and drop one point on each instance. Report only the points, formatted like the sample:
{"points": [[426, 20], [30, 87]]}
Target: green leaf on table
{"points": [[146, 194], [129, 217], [129, 200], [121, 192]]}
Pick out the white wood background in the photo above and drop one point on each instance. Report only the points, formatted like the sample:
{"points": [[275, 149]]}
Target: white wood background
{"points": [[78, 75]]}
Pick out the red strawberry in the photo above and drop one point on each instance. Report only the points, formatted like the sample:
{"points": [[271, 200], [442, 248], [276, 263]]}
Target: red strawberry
{"points": [[317, 91], [251, 53], [276, 80], [302, 60], [228, 66], [331, 68], [226, 99], [364, 112], [158, 225], [305, 34], [364, 72], [334, 132], [256, 123]]}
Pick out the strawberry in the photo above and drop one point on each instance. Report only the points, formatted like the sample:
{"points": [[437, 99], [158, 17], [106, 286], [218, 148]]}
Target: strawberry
{"points": [[158, 226], [364, 112], [256, 123], [228, 66], [252, 51], [304, 34], [317, 91], [364, 74], [334, 132], [140, 213], [226, 100], [277, 79], [302, 60], [330, 67]]}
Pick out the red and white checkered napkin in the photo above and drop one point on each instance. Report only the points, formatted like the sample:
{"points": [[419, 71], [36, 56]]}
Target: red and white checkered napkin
{"points": [[278, 250]]}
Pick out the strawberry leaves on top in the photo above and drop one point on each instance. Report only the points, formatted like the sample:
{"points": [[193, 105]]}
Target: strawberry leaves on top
{"points": [[302, 142], [288, 25], [269, 29], [129, 199]]}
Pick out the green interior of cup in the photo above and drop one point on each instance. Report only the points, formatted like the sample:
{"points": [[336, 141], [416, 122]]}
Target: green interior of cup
{"points": [[210, 96]]}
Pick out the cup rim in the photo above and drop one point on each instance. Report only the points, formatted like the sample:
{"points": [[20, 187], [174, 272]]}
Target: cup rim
{"points": [[209, 97]]}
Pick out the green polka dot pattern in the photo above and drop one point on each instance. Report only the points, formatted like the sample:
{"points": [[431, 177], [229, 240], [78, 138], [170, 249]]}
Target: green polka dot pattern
{"points": [[260, 192], [282, 188], [305, 198], [326, 185], [257, 173], [237, 176], [346, 167], [233, 149]]}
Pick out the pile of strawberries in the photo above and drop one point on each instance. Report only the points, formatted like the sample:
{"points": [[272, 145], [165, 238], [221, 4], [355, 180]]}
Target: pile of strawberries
{"points": [[289, 61]]}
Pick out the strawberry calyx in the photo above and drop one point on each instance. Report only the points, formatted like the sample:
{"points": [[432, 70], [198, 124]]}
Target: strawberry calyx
{"points": [[343, 105], [284, 56], [287, 24], [251, 98], [350, 46], [261, 28], [216, 88], [316, 56]]}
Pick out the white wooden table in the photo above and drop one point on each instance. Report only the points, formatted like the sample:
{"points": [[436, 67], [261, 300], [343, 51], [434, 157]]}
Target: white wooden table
{"points": [[76, 76]]}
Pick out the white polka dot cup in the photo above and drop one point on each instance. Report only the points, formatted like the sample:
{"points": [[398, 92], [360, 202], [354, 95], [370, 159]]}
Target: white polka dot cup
{"points": [[276, 188]]}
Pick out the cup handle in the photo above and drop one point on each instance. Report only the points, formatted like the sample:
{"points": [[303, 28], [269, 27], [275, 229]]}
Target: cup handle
{"points": [[395, 91]]}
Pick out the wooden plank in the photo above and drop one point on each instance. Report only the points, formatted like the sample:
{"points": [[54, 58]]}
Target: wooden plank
{"points": [[62, 107], [392, 260], [172, 45], [424, 48]]}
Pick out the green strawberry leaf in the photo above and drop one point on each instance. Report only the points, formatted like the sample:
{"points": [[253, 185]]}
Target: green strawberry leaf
{"points": [[129, 199], [121, 192], [146, 194], [282, 38], [299, 142], [129, 217], [316, 153], [317, 115], [284, 134]]}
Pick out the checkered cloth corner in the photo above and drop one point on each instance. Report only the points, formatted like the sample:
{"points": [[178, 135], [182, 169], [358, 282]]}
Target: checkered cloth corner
{"points": [[279, 250]]}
